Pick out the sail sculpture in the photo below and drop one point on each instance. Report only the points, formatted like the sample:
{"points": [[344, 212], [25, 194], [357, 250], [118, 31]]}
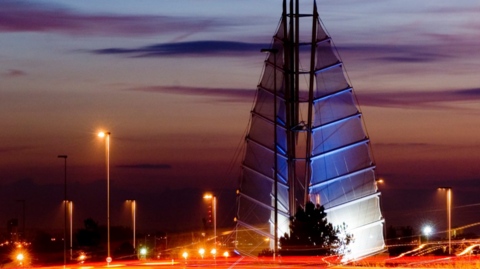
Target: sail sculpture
{"points": [[307, 135]]}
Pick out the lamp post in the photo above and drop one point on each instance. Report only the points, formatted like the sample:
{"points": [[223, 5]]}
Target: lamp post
{"points": [[71, 229], [134, 209], [214, 205], [275, 177], [107, 149], [65, 209], [449, 216]]}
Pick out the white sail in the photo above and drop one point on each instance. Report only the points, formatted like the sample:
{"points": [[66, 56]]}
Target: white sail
{"points": [[323, 152]]}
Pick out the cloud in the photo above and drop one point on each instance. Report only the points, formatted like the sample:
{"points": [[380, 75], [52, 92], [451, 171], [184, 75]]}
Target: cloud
{"points": [[145, 166], [228, 93], [207, 48], [398, 53], [194, 48], [14, 73], [20, 16], [420, 99]]}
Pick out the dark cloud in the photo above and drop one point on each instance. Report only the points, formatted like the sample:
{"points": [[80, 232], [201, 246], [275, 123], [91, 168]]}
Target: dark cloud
{"points": [[20, 16], [420, 99], [227, 93], [14, 73], [207, 48], [194, 48], [145, 166], [398, 53]]}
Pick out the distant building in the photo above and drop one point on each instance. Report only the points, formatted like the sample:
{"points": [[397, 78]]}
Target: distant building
{"points": [[12, 230]]}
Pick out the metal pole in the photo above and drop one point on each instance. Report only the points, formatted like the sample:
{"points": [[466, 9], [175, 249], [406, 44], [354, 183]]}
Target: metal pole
{"points": [[23, 220], [275, 182], [449, 217], [449, 207], [65, 211], [134, 216], [108, 193], [215, 220], [308, 172], [71, 229]]}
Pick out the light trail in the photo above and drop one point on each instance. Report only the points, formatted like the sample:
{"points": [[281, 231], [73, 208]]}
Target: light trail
{"points": [[408, 252], [467, 250]]}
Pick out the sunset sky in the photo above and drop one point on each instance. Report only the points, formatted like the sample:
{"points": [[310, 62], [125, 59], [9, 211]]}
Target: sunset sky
{"points": [[174, 81]]}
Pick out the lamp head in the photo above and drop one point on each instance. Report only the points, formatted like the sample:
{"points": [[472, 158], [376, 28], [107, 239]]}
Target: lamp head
{"points": [[427, 230]]}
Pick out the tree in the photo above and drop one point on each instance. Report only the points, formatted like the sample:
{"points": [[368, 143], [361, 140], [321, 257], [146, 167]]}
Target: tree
{"points": [[312, 235], [90, 236]]}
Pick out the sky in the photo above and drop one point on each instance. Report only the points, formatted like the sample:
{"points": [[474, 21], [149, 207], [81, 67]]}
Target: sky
{"points": [[174, 81]]}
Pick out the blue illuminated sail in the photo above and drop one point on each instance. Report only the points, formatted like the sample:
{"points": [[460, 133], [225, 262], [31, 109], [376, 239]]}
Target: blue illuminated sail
{"points": [[323, 151]]}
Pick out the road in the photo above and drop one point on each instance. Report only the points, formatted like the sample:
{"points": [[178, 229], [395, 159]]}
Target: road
{"points": [[284, 263]]}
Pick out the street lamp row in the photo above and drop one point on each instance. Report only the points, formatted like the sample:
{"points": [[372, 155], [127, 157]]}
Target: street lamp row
{"points": [[105, 135]]}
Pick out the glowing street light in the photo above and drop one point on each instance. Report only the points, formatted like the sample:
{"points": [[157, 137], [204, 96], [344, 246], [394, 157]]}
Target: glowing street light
{"points": [[185, 255], [107, 151], [213, 252], [427, 230], [20, 257], [143, 251], [449, 216], [209, 196], [225, 254], [201, 251]]}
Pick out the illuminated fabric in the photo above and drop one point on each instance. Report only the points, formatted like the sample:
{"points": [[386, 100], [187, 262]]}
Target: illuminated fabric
{"points": [[329, 150]]}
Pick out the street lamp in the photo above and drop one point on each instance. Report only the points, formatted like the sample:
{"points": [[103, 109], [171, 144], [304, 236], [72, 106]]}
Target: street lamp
{"points": [[134, 209], [214, 204], [71, 229], [20, 258], [449, 216], [143, 252], [275, 176], [427, 230], [65, 212], [201, 251], [107, 151], [214, 253]]}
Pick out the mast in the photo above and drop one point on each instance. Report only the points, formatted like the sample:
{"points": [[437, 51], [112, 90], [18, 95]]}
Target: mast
{"points": [[291, 107], [310, 104]]}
